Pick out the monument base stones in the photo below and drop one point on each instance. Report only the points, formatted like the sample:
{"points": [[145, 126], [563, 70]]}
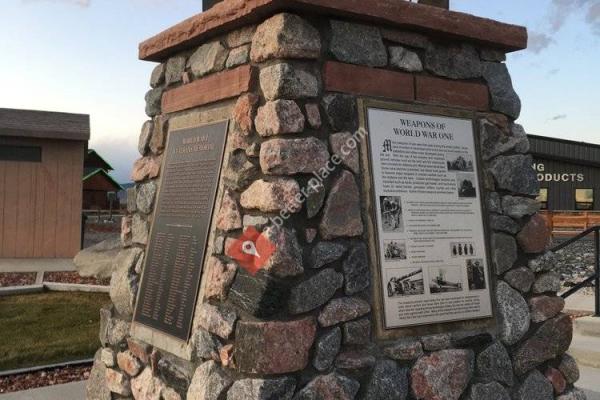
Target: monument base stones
{"points": [[351, 227]]}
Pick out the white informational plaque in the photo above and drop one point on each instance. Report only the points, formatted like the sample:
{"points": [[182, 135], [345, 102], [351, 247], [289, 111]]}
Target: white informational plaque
{"points": [[429, 223]]}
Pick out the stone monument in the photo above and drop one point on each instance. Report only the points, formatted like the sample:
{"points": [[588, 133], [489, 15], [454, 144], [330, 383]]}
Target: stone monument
{"points": [[333, 202]]}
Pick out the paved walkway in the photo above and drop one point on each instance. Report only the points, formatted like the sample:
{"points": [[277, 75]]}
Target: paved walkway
{"points": [[36, 265], [589, 382], [580, 302], [69, 391]]}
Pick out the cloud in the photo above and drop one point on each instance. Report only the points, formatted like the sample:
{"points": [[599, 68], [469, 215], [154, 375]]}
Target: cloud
{"points": [[554, 71], [539, 41], [561, 10], [79, 3], [558, 117], [593, 17]]}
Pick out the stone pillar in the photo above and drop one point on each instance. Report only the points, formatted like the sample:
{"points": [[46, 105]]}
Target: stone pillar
{"points": [[288, 76]]}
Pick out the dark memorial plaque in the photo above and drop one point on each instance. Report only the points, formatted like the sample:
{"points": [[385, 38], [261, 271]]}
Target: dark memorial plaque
{"points": [[177, 245]]}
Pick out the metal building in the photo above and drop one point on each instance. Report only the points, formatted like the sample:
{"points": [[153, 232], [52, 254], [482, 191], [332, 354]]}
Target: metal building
{"points": [[569, 173]]}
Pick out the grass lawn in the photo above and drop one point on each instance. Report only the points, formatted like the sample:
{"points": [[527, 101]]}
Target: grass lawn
{"points": [[46, 328]]}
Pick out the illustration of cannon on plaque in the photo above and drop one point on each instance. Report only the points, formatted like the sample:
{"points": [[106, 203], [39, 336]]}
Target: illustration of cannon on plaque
{"points": [[445, 280], [407, 284], [391, 213]]}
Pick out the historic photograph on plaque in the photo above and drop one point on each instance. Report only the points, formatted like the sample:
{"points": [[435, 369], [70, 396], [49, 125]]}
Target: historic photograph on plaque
{"points": [[177, 244], [428, 218]]}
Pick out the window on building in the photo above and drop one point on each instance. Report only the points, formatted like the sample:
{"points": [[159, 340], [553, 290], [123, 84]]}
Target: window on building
{"points": [[20, 153], [543, 198], [584, 199]]}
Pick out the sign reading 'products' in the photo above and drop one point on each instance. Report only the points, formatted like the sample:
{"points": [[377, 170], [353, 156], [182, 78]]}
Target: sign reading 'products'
{"points": [[433, 263]]}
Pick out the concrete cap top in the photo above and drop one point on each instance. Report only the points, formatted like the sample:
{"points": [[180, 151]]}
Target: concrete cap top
{"points": [[231, 14]]}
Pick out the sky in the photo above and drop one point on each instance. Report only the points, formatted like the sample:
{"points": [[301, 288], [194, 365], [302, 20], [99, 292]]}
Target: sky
{"points": [[81, 56]]}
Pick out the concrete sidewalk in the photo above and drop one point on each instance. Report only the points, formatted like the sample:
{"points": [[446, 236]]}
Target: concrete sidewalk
{"points": [[68, 391], [580, 302], [36, 264]]}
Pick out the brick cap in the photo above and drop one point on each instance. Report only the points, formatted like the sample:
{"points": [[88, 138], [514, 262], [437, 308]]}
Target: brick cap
{"points": [[231, 14]]}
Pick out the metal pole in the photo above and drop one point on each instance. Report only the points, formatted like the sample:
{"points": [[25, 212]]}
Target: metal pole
{"points": [[597, 280]]}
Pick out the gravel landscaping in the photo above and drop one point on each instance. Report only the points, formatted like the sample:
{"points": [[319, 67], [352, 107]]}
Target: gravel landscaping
{"points": [[51, 377], [576, 263], [8, 279]]}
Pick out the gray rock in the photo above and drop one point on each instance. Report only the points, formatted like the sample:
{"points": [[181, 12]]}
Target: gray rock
{"points": [[96, 388], [293, 156], [240, 172], [315, 291], [332, 386], [153, 101], [513, 314], [573, 394], [124, 283], [356, 269], [568, 367], [504, 98], [327, 348], [285, 36], [146, 192], [545, 262], [504, 252], [436, 342], [325, 253], [547, 282], [357, 44], [288, 81], [217, 320], [210, 382], [489, 391], [455, 62], [342, 310], [404, 59], [206, 345], [551, 340], [157, 77], [357, 332], [342, 218], [502, 223], [139, 229], [523, 146], [144, 139], [442, 375], [535, 387], [543, 308], [519, 207], [515, 174], [113, 331], [355, 360], [340, 110], [388, 382], [493, 55], [175, 69], [108, 357], [405, 350], [494, 364], [238, 56], [286, 261], [257, 221], [260, 295], [520, 278], [494, 203], [209, 58], [315, 199], [97, 260], [262, 389], [495, 141]]}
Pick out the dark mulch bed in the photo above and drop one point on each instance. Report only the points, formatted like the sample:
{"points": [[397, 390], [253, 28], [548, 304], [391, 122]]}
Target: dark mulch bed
{"points": [[56, 376], [73, 277], [17, 279]]}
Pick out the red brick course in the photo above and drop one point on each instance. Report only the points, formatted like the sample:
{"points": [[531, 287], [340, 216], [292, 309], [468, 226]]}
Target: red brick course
{"points": [[366, 81], [219, 86], [471, 95]]}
